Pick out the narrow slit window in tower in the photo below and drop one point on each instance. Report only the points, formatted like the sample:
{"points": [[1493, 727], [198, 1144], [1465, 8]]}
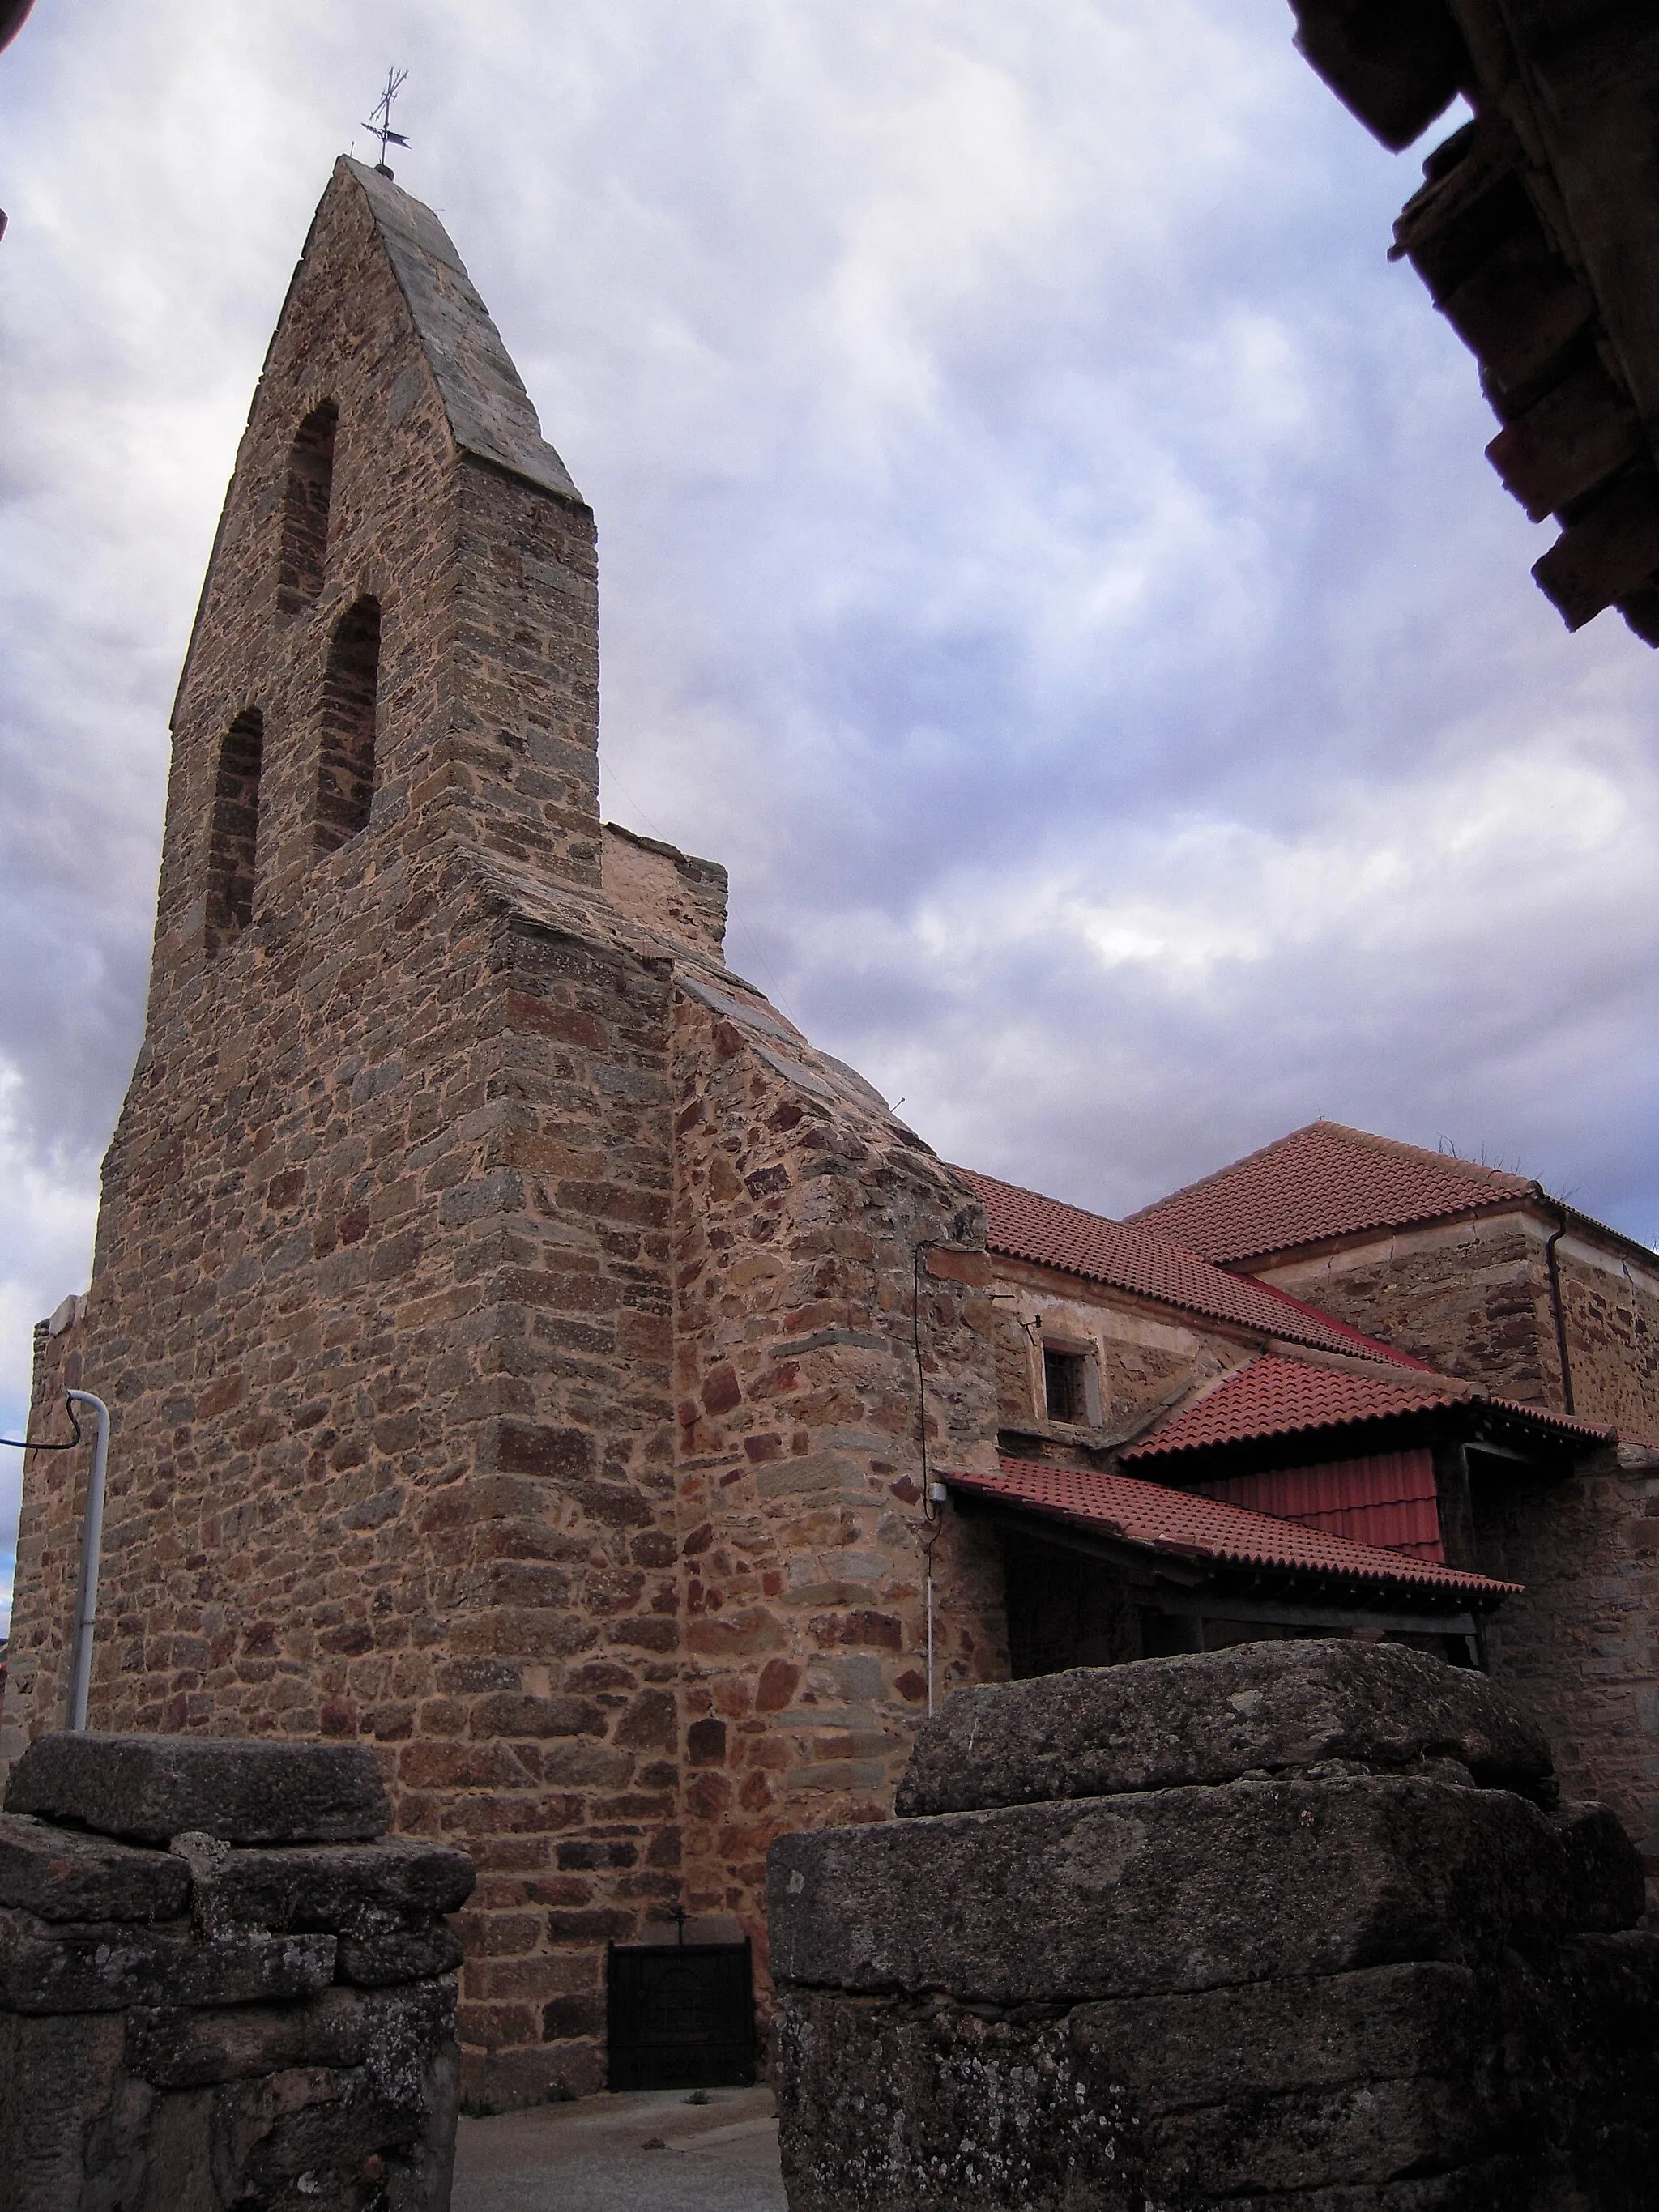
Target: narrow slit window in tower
{"points": [[304, 508], [345, 768], [234, 838]]}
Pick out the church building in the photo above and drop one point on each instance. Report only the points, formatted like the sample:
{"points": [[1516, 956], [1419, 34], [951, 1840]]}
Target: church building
{"points": [[529, 1355]]}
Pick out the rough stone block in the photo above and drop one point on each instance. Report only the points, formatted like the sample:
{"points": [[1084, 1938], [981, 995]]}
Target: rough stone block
{"points": [[1190, 1888], [345, 1889], [58, 2078], [277, 2131], [58, 1967], [1263, 2038], [152, 1788], [377, 1962], [1211, 1718], [928, 2107], [1312, 2090], [59, 1874], [176, 2049], [1610, 2043], [1502, 2184], [1316, 2138]]}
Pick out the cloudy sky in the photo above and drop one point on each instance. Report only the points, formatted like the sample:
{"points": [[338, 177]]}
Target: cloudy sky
{"points": [[1048, 555]]}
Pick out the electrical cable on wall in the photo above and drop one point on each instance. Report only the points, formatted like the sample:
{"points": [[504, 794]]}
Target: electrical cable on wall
{"points": [[932, 1515], [24, 1443]]}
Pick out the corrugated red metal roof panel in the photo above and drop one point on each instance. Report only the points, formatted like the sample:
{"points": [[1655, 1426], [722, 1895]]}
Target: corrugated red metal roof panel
{"points": [[1176, 1520], [1326, 1180], [1026, 1225], [1274, 1396], [1389, 1500]]}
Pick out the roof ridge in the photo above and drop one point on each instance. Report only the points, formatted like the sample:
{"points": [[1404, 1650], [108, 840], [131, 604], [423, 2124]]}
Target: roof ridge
{"points": [[1402, 1148], [1362, 1140], [1126, 1223], [1149, 1244], [1328, 1180]]}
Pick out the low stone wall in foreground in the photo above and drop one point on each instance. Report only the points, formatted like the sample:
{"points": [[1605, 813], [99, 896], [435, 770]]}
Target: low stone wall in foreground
{"points": [[1298, 1925], [218, 1986]]}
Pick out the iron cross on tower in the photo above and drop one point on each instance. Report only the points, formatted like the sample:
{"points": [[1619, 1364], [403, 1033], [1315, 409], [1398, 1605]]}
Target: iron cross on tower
{"points": [[382, 126]]}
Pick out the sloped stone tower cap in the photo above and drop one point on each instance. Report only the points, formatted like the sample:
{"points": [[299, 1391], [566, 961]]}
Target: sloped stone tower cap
{"points": [[490, 411]]}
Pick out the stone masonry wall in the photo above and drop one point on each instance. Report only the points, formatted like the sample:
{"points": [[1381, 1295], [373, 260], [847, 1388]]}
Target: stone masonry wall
{"points": [[514, 760], [671, 892], [1611, 1306], [1471, 1298], [1143, 1358], [407, 1482], [380, 1299], [1298, 1925], [217, 1987], [1579, 1644], [806, 1221], [48, 1549]]}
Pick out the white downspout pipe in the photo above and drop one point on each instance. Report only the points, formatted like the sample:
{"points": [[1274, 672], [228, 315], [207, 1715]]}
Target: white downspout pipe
{"points": [[86, 1588]]}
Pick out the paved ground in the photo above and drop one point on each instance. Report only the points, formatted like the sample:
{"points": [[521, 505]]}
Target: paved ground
{"points": [[592, 2156]]}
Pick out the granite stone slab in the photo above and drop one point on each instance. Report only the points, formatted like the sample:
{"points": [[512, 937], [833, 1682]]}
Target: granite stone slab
{"points": [[54, 1968], [1210, 1717], [1188, 1889], [152, 1788], [344, 1888], [61, 1874]]}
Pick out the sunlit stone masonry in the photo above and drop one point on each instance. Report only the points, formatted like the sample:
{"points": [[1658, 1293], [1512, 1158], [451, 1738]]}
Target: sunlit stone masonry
{"points": [[509, 1322], [530, 1359]]}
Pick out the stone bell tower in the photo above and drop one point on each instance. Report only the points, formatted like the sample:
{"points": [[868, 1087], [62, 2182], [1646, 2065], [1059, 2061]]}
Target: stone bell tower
{"points": [[509, 1321]]}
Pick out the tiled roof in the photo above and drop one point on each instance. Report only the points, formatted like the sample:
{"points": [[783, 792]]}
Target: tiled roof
{"points": [[1177, 1523], [1324, 1181], [1024, 1226], [1277, 1397]]}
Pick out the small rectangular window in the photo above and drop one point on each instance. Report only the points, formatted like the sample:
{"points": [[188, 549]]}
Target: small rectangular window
{"points": [[1065, 1382]]}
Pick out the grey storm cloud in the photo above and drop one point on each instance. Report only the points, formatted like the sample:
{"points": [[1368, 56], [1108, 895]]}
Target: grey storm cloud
{"points": [[1046, 554]]}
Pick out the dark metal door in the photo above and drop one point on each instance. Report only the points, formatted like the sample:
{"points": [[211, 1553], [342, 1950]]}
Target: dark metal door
{"points": [[681, 2017]]}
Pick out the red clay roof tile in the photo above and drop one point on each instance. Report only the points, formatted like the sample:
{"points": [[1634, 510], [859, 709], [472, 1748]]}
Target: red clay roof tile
{"points": [[1277, 1397], [1175, 1521], [1326, 1180], [1024, 1226], [1272, 1397]]}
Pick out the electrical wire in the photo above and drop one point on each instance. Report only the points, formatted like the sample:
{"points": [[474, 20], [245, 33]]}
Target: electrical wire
{"points": [[932, 1516], [921, 1372], [23, 1443]]}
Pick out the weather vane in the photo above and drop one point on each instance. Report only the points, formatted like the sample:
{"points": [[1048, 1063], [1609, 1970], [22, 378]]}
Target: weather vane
{"points": [[382, 127]]}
